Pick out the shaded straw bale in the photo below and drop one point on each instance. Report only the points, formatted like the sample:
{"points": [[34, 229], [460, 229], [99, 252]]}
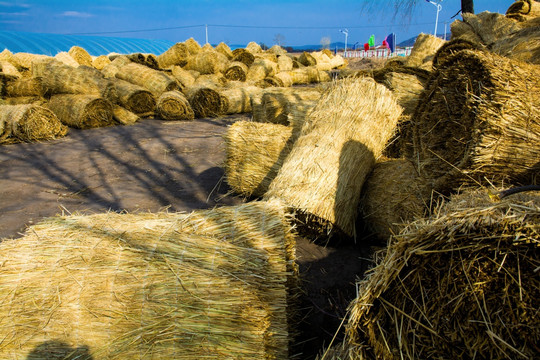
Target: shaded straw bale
{"points": [[393, 196], [523, 45], [307, 59], [401, 143], [451, 47], [28, 123], [236, 71], [65, 58], [206, 101], [208, 61], [151, 61], [423, 51], [462, 284], [254, 152], [239, 97], [285, 77], [184, 77], [176, 55], [243, 56], [406, 88], [9, 69], [135, 98], [491, 131], [225, 50], [192, 46], [210, 284], [28, 86], [100, 62], [285, 63], [154, 80], [80, 55], [489, 26], [173, 105], [335, 151], [123, 116], [253, 48], [524, 10], [82, 111]]}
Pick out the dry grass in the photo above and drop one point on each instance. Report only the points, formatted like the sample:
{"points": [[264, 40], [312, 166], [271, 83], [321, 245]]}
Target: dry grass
{"points": [[238, 96], [28, 86]]}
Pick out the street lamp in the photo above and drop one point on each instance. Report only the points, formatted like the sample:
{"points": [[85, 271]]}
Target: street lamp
{"points": [[346, 32], [439, 8]]}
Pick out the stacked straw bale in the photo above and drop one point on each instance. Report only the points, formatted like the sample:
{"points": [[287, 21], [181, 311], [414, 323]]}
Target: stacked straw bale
{"points": [[243, 56], [210, 284], [277, 50], [135, 98], [206, 101], [285, 78], [28, 123], [184, 77], [154, 80], [261, 69], [193, 46], [208, 61], [28, 86], [124, 116], [335, 151], [478, 122], [423, 51], [81, 56], [285, 63], [451, 47], [254, 48], [65, 58], [236, 71], [177, 54], [173, 105], [225, 50], [82, 111], [9, 69], [307, 59], [463, 284], [100, 62], [254, 153], [238, 96]]}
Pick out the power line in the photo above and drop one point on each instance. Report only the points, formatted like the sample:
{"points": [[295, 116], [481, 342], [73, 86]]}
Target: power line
{"points": [[134, 31]]}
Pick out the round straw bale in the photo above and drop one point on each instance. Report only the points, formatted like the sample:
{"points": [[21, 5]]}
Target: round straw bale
{"points": [[66, 59], [206, 101], [523, 10], [451, 47], [120, 286], [154, 80], [307, 59], [324, 76], [393, 195], [236, 71], [285, 78], [260, 69], [208, 61], [523, 45], [29, 123], [212, 80], [243, 56], [6, 55], [225, 50], [124, 116], [173, 105], [304, 75], [335, 151], [151, 61], [462, 284], [32, 86], [267, 55], [100, 62], [239, 97], [175, 55], [192, 46], [253, 48], [184, 77], [489, 134], [135, 98], [23, 100], [80, 55], [10, 69], [423, 51], [285, 63], [277, 50], [23, 61], [254, 154], [82, 111]]}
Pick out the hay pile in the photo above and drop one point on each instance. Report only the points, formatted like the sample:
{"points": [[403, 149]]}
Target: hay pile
{"points": [[243, 56], [210, 284], [100, 62], [82, 111], [254, 153], [463, 284], [335, 151], [173, 105], [491, 130], [157, 82], [423, 51], [29, 123], [177, 54]]}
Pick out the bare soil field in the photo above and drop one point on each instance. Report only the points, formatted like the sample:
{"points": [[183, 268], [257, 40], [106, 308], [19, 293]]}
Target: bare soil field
{"points": [[159, 165]]}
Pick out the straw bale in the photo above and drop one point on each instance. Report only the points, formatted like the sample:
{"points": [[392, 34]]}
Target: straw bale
{"points": [[243, 56], [423, 51], [183, 76], [29, 123], [276, 105], [305, 75], [524, 10], [490, 133], [328, 53], [100, 62], [490, 27], [277, 50], [80, 55], [66, 59], [175, 55], [173, 105], [254, 154], [225, 50], [9, 69], [236, 71], [124, 116], [461, 30], [192, 46], [157, 82], [23, 61], [269, 81], [82, 111], [462, 284], [451, 47], [393, 195], [285, 63], [23, 100], [239, 97], [151, 61], [267, 55], [208, 61], [335, 151], [260, 69], [285, 77], [213, 80], [206, 101], [523, 45], [254, 48], [32, 86], [324, 76], [135, 98], [325, 62], [210, 284], [307, 59], [6, 55], [119, 60], [406, 88]]}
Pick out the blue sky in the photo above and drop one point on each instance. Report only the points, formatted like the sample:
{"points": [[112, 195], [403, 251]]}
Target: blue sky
{"points": [[298, 22]]}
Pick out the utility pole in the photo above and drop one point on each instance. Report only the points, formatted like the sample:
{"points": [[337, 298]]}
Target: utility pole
{"points": [[439, 8], [346, 32], [206, 29]]}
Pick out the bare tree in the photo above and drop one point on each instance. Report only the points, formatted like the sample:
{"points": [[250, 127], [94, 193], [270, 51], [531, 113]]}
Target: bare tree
{"points": [[279, 39], [325, 42], [406, 7]]}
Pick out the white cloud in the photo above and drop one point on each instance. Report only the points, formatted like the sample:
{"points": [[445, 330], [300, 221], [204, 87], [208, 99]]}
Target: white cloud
{"points": [[77, 14], [8, 4], [13, 14]]}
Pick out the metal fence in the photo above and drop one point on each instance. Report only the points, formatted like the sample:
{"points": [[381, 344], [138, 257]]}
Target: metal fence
{"points": [[378, 53]]}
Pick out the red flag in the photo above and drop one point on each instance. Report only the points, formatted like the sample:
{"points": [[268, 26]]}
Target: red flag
{"points": [[366, 46]]}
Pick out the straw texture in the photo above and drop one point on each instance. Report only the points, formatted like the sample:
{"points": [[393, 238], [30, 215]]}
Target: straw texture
{"points": [[208, 61], [206, 100], [135, 98], [65, 58], [238, 96], [173, 105], [32, 86], [337, 147], [100, 62], [193, 46], [210, 284], [236, 71], [82, 111], [423, 51], [157, 82], [176, 55], [29, 123], [124, 116], [80, 55]]}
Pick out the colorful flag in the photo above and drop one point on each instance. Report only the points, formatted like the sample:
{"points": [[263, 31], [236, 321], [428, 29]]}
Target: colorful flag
{"points": [[391, 40], [371, 41], [366, 46]]}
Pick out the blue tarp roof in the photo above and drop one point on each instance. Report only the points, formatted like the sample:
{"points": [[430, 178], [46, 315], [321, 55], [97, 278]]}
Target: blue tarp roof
{"points": [[51, 44]]}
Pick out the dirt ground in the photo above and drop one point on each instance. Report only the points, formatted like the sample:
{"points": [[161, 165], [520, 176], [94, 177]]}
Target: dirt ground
{"points": [[156, 165]]}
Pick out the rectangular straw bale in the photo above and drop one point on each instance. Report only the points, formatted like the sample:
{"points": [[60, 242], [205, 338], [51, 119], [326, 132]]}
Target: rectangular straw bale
{"points": [[210, 284], [156, 81], [337, 147]]}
